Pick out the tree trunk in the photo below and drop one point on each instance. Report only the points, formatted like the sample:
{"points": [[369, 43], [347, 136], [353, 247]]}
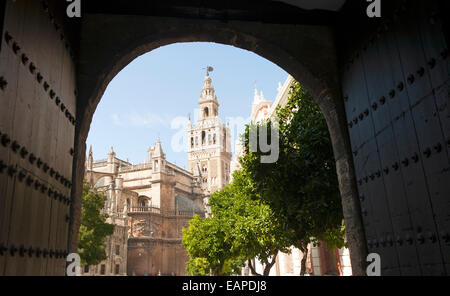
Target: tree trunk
{"points": [[304, 250], [218, 270], [252, 268], [222, 263], [269, 265]]}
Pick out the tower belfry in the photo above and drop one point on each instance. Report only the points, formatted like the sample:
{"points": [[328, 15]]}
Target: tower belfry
{"points": [[208, 104], [209, 150]]}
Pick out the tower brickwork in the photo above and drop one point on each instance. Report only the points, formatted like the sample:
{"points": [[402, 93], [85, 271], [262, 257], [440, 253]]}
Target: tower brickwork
{"points": [[209, 147]]}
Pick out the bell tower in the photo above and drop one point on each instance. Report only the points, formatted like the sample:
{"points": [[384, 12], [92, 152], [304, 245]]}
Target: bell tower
{"points": [[209, 147], [209, 107]]}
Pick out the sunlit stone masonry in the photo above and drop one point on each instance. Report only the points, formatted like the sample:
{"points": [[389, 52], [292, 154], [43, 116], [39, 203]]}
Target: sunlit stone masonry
{"points": [[150, 203]]}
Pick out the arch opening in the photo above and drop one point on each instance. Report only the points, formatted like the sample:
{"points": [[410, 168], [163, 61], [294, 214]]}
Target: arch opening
{"points": [[322, 84]]}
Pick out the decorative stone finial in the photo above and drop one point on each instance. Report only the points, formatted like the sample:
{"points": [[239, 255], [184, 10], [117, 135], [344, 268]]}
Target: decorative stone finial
{"points": [[256, 97]]}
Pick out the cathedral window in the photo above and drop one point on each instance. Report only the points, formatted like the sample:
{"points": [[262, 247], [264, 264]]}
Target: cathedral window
{"points": [[209, 139], [206, 112], [196, 141], [102, 269], [214, 138], [117, 269], [117, 249], [203, 137], [192, 142]]}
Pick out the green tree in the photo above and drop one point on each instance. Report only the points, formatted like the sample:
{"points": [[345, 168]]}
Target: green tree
{"points": [[198, 266], [242, 227], [207, 240], [301, 186], [93, 228], [256, 230]]}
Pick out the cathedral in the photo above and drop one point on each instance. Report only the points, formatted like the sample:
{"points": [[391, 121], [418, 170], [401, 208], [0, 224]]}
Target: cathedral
{"points": [[150, 203]]}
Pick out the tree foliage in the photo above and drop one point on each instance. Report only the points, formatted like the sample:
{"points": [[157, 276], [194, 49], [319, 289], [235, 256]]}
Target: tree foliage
{"points": [[207, 241], [241, 228], [271, 206], [301, 186], [93, 228]]}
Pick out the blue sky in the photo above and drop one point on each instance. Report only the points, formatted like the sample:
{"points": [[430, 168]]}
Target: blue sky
{"points": [[141, 102]]}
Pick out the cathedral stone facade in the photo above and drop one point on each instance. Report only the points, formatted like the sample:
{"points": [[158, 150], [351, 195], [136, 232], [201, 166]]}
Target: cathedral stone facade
{"points": [[150, 203]]}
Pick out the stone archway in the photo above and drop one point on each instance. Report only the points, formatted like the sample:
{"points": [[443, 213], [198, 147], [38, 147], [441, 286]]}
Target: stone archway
{"points": [[110, 42], [393, 71]]}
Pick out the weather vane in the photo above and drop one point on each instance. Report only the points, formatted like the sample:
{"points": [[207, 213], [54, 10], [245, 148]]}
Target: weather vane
{"points": [[208, 69]]}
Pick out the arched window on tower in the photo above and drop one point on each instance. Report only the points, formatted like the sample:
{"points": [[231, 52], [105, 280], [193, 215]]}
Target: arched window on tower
{"points": [[192, 142], [209, 139], [206, 112], [203, 137], [214, 138]]}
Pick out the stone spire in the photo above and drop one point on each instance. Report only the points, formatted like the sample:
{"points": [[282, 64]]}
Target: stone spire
{"points": [[111, 155], [90, 159], [158, 158], [112, 161], [158, 151], [256, 98], [150, 153]]}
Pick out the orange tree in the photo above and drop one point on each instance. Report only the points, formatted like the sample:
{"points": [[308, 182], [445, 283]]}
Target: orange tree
{"points": [[241, 228], [301, 186], [93, 228]]}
